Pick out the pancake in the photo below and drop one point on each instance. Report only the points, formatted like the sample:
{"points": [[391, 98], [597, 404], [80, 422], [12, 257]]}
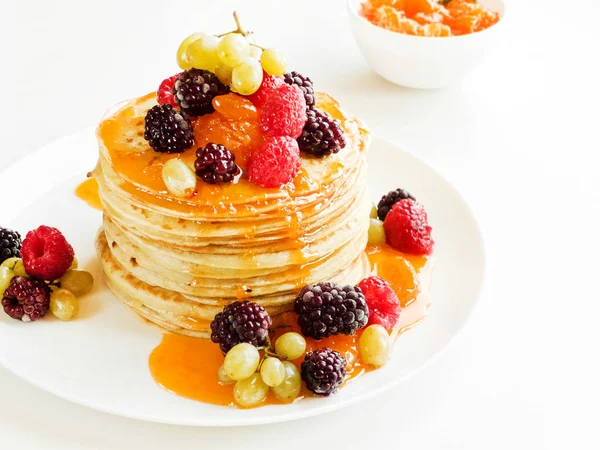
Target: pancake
{"points": [[176, 312], [178, 261]]}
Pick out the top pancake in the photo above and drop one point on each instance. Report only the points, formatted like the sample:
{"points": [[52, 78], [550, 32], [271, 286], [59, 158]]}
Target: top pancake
{"points": [[133, 169]]}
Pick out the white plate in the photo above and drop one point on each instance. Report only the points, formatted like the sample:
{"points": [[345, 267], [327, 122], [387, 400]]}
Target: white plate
{"points": [[100, 360]]}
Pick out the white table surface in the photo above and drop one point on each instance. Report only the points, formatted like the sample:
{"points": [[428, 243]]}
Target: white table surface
{"points": [[519, 138]]}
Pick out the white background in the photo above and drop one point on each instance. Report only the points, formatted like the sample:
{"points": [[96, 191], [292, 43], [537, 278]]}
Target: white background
{"points": [[519, 138]]}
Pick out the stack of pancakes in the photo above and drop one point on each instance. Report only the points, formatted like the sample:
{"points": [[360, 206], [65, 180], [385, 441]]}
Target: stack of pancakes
{"points": [[178, 262]]}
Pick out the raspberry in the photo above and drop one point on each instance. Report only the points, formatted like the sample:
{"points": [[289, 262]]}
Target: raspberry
{"points": [[326, 309], [322, 135], [26, 299], [284, 112], [195, 89], [168, 130], [269, 84], [164, 95], [275, 163], [305, 84], [384, 306], [389, 199], [323, 371], [240, 322], [46, 253], [406, 228], [215, 164], [10, 244]]}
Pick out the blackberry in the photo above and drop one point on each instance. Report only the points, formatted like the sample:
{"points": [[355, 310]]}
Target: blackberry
{"points": [[326, 309], [389, 199], [322, 135], [10, 244], [215, 164], [26, 299], [305, 84], [168, 130], [323, 371], [195, 89], [240, 322]]}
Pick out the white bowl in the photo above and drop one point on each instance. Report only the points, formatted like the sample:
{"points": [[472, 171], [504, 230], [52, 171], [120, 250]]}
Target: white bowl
{"points": [[421, 62]]}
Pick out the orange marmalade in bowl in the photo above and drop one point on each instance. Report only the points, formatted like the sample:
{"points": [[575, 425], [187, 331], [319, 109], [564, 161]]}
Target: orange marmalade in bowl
{"points": [[429, 18]]}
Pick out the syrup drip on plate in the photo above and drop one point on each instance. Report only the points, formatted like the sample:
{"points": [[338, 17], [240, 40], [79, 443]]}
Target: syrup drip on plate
{"points": [[88, 192], [188, 366]]}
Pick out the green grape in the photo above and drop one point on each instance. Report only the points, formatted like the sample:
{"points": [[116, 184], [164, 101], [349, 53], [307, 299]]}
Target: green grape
{"points": [[241, 361], [272, 372], [223, 73], [290, 388], [202, 53], [246, 77], [222, 376], [179, 178], [233, 49], [74, 264], [376, 232], [19, 269], [375, 345], [373, 214], [273, 62], [251, 391], [10, 262], [182, 50], [63, 304], [5, 276], [255, 52], [16, 265], [290, 346], [78, 282]]}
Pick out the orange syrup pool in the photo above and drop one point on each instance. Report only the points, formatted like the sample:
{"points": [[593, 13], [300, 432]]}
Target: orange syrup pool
{"points": [[235, 124], [188, 366], [88, 192]]}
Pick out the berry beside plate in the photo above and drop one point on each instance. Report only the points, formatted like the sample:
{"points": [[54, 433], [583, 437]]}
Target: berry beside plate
{"points": [[45, 277]]}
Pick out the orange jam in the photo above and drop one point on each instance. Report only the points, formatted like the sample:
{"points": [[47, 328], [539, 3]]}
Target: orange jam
{"points": [[188, 367], [398, 270], [235, 124], [88, 192], [429, 17]]}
